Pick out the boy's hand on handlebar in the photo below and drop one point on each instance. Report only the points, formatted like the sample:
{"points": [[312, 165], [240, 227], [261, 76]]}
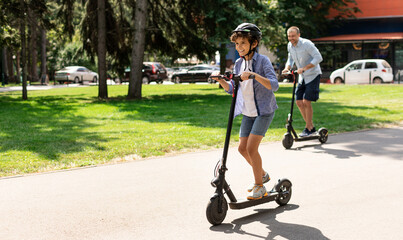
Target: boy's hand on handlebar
{"points": [[246, 75], [216, 75]]}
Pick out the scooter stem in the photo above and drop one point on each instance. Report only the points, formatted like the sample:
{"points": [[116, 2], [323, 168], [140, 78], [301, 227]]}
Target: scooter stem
{"points": [[293, 98], [230, 121]]}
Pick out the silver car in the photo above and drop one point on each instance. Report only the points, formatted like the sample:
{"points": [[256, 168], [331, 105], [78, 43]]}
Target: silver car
{"points": [[75, 74]]}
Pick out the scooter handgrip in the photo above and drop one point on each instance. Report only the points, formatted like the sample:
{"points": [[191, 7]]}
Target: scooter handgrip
{"points": [[252, 76]]}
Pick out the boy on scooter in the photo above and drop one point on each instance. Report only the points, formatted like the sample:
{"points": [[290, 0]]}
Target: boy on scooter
{"points": [[256, 100]]}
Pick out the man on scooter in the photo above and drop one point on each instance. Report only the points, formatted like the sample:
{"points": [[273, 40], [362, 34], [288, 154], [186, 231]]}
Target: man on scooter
{"points": [[306, 57]]}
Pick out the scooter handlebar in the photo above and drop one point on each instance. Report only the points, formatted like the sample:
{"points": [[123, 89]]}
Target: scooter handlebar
{"points": [[230, 76], [290, 75]]}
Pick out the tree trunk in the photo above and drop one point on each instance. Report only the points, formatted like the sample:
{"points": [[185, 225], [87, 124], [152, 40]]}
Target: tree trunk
{"points": [[43, 56], [102, 88], [17, 68], [223, 60], [4, 68], [10, 64], [33, 26], [23, 53], [136, 66]]}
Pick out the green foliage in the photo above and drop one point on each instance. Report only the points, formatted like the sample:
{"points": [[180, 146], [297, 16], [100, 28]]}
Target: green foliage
{"points": [[182, 28], [72, 54]]}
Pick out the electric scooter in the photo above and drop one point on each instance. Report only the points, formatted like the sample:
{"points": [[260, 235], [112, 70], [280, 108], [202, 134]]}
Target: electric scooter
{"points": [[290, 136], [217, 207]]}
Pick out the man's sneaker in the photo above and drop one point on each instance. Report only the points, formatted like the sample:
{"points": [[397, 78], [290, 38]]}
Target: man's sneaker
{"points": [[307, 132], [266, 178], [258, 192], [304, 133], [312, 131]]}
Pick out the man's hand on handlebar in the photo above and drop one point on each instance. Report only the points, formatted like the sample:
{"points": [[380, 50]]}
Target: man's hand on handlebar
{"points": [[300, 70], [286, 71]]}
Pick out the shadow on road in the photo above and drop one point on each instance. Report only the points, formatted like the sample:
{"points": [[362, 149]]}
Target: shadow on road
{"points": [[321, 148], [276, 228], [379, 142]]}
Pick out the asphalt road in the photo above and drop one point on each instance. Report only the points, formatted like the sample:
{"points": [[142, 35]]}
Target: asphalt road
{"points": [[348, 188]]}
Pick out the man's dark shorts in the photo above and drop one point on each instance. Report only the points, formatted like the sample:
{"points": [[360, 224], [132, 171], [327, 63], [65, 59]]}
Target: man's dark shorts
{"points": [[308, 91]]}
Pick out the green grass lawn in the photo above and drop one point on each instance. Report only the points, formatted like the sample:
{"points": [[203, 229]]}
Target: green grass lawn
{"points": [[69, 127]]}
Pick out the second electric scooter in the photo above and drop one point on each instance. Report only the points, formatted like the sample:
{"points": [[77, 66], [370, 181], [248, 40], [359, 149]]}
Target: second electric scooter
{"points": [[217, 207], [290, 136]]}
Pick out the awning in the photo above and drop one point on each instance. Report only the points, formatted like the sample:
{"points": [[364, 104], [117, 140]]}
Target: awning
{"points": [[361, 37]]}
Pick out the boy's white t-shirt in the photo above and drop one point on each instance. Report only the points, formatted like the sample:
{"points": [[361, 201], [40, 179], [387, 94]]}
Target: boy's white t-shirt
{"points": [[249, 106]]}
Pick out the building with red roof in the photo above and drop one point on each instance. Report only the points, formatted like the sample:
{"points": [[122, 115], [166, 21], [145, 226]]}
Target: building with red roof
{"points": [[376, 32]]}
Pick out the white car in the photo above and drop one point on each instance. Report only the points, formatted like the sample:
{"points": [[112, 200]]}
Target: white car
{"points": [[363, 71], [76, 74]]}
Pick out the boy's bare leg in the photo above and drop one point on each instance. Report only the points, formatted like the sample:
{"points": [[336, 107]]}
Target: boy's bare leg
{"points": [[256, 160], [247, 144]]}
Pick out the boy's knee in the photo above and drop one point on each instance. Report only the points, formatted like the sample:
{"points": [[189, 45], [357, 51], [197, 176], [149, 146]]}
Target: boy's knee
{"points": [[242, 149], [251, 150]]}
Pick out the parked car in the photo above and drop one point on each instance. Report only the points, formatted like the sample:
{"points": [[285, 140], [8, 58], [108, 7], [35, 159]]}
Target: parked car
{"points": [[170, 71], [363, 71], [152, 72], [76, 74], [198, 73]]}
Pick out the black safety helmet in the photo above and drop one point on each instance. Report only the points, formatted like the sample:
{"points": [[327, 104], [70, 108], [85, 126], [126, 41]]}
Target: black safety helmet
{"points": [[254, 32], [249, 28]]}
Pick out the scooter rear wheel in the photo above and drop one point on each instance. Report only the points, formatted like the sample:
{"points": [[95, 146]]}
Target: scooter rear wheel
{"points": [[215, 213], [284, 190], [288, 140]]}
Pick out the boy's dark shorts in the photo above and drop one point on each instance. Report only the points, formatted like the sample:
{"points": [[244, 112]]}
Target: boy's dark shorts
{"points": [[308, 91]]}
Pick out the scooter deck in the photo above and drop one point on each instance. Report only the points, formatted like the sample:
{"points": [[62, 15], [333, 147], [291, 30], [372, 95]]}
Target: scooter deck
{"points": [[245, 203], [310, 137]]}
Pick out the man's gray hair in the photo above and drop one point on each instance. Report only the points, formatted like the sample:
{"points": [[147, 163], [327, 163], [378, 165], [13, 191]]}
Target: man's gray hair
{"points": [[294, 28]]}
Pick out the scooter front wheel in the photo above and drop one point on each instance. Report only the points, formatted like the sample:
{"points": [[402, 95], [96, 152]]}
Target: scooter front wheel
{"points": [[323, 134], [284, 189], [215, 211], [288, 140]]}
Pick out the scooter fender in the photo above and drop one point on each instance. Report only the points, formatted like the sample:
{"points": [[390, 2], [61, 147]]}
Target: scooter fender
{"points": [[280, 182], [215, 195]]}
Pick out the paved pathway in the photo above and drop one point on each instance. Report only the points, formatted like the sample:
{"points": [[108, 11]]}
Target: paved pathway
{"points": [[349, 188]]}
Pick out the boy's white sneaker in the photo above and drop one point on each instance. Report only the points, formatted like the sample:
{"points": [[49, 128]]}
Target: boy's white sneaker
{"points": [[258, 192], [266, 178]]}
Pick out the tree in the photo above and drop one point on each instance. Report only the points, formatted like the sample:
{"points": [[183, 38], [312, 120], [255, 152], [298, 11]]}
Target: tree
{"points": [[17, 15], [140, 18], [103, 89], [33, 50], [43, 55], [184, 28], [23, 50]]}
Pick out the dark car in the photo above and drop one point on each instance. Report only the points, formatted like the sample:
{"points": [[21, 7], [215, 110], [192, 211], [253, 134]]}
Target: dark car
{"points": [[198, 73], [152, 72]]}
